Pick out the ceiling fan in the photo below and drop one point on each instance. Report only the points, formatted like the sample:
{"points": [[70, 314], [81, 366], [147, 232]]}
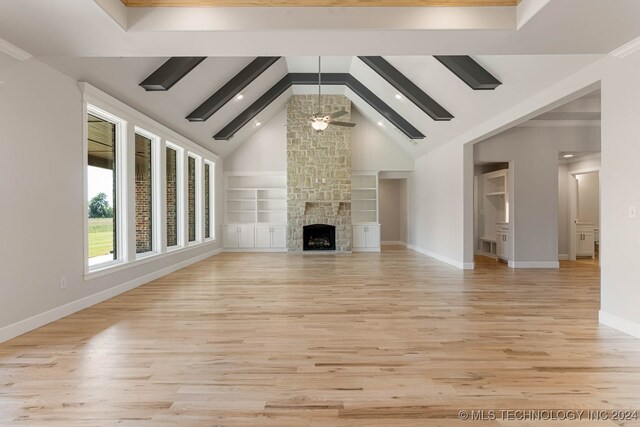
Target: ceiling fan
{"points": [[320, 121]]}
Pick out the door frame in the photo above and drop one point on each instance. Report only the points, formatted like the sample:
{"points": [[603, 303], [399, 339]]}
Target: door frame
{"points": [[573, 206]]}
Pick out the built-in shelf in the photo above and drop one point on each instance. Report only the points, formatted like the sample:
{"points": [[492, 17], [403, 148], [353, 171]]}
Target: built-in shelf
{"points": [[364, 198], [256, 198], [493, 206]]}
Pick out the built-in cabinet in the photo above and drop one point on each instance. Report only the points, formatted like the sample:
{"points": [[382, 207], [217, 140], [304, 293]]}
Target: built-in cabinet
{"points": [[255, 211], [366, 237], [585, 239], [364, 211], [503, 241], [495, 235], [270, 237]]}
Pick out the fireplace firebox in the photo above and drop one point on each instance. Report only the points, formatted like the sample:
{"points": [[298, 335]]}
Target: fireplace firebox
{"points": [[319, 237]]}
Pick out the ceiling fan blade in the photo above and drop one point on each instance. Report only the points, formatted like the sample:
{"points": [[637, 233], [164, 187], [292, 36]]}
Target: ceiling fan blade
{"points": [[345, 124], [337, 114]]}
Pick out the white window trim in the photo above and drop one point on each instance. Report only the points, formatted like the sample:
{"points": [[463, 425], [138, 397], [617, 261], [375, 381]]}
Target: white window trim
{"points": [[212, 200], [156, 246], [199, 207], [180, 186], [111, 109], [120, 199]]}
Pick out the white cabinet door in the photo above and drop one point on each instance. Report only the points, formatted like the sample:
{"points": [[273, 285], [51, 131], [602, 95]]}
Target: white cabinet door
{"points": [[263, 237], [245, 236], [230, 236], [501, 245], [279, 236], [373, 236], [359, 236], [585, 244]]}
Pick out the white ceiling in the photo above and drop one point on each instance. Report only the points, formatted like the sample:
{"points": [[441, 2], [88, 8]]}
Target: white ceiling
{"points": [[81, 40]]}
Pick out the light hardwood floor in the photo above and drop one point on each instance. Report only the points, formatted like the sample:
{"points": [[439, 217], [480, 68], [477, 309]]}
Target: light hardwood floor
{"points": [[287, 340]]}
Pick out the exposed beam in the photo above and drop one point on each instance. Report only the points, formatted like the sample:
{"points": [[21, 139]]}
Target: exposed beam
{"points": [[254, 109], [232, 88], [407, 88], [317, 3], [312, 79], [469, 71], [171, 72]]}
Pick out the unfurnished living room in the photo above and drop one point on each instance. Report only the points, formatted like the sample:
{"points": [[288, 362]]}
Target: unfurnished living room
{"points": [[319, 213]]}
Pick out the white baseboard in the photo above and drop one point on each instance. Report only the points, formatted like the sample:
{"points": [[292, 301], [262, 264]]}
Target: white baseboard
{"points": [[34, 322], [534, 264], [441, 258], [622, 325], [563, 257], [394, 243], [255, 250], [366, 249]]}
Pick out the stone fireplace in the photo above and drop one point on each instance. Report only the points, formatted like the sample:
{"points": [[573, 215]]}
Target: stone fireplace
{"points": [[318, 172]]}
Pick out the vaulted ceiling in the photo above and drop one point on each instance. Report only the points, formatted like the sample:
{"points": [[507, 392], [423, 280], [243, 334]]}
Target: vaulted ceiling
{"points": [[526, 47]]}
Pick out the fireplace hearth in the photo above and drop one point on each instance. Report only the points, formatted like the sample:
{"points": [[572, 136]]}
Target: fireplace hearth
{"points": [[319, 237]]}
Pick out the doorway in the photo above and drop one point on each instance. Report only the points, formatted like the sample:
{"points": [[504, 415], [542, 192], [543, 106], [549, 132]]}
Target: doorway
{"points": [[393, 211]]}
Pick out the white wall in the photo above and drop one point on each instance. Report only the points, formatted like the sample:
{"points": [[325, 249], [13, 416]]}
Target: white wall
{"points": [[265, 151], [619, 178], [41, 192], [372, 150], [436, 219], [392, 194], [533, 152]]}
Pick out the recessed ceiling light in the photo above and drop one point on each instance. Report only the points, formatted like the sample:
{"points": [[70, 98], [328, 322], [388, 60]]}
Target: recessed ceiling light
{"points": [[380, 124], [239, 97], [568, 156], [258, 123], [398, 96]]}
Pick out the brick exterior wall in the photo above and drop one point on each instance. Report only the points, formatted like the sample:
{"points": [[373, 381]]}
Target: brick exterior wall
{"points": [[322, 155], [143, 214], [172, 198], [191, 208]]}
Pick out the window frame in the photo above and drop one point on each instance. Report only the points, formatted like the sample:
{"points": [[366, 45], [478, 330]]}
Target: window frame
{"points": [[199, 205], [156, 236], [180, 196], [128, 121], [120, 172], [212, 200]]}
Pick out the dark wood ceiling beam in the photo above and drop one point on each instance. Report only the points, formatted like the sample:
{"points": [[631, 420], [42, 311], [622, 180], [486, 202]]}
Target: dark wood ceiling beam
{"points": [[232, 88], [469, 71], [170, 73], [312, 79], [254, 109], [407, 88]]}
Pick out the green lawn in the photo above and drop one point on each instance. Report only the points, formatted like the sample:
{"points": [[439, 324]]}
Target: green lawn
{"points": [[100, 236]]}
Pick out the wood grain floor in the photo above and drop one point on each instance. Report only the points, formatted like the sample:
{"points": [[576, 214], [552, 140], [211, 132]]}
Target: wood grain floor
{"points": [[357, 340]]}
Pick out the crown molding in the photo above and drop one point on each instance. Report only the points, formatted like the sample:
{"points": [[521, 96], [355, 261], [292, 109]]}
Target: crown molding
{"points": [[626, 49], [14, 51], [560, 123]]}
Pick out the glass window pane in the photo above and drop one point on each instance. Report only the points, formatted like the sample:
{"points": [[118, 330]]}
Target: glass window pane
{"points": [[101, 185], [192, 199], [207, 202], [144, 196], [172, 197]]}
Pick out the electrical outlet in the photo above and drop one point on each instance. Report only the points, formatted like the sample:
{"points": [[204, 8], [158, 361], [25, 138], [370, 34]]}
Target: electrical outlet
{"points": [[632, 212], [63, 282]]}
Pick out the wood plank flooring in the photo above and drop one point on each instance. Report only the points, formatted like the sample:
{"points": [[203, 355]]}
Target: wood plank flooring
{"points": [[353, 340]]}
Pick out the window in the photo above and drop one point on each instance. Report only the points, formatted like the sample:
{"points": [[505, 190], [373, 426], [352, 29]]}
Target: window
{"points": [[192, 202], [102, 186], [173, 190], [144, 194], [207, 200]]}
